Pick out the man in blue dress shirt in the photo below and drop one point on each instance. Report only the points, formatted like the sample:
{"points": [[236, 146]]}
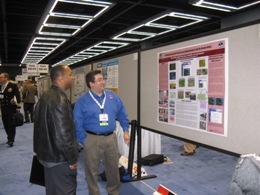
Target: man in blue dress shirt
{"points": [[95, 115]]}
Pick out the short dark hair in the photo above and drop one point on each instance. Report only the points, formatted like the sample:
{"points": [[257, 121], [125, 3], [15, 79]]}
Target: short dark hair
{"points": [[6, 75], [90, 77], [57, 71]]}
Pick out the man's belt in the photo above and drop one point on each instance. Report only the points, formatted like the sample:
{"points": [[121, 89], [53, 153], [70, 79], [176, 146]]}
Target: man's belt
{"points": [[102, 134]]}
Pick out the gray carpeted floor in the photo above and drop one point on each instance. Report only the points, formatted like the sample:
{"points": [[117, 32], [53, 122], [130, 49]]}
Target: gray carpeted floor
{"points": [[207, 172]]}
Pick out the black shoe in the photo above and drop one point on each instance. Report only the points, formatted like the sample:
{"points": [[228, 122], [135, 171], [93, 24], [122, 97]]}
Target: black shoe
{"points": [[26, 121], [11, 144], [7, 142]]}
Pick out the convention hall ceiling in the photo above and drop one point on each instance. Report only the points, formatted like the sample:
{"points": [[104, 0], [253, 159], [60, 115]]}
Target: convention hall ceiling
{"points": [[76, 31]]}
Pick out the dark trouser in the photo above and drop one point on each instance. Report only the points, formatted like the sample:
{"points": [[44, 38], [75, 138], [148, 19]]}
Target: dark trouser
{"points": [[9, 126], [60, 180], [28, 108], [103, 148]]}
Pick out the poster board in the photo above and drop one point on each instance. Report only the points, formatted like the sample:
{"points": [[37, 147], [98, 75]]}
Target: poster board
{"points": [[243, 88]]}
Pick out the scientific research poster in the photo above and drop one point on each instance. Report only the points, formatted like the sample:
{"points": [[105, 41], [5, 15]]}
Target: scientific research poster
{"points": [[193, 87], [110, 72], [79, 82]]}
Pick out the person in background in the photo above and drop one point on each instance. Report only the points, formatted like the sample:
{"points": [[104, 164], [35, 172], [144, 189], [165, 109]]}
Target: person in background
{"points": [[189, 149], [29, 92], [54, 139], [10, 104], [95, 115], [20, 88]]}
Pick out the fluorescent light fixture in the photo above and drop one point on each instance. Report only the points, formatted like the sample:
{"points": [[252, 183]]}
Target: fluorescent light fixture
{"points": [[187, 16], [92, 52], [52, 13], [97, 50], [76, 21], [247, 5], [221, 7], [158, 22], [62, 26], [119, 37], [141, 33], [56, 34], [37, 47], [40, 53], [214, 6], [105, 47], [72, 16]]}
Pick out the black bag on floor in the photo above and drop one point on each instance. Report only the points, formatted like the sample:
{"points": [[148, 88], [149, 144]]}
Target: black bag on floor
{"points": [[37, 172], [152, 159]]}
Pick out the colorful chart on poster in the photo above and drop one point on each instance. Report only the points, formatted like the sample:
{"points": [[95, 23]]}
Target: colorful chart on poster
{"points": [[193, 88]]}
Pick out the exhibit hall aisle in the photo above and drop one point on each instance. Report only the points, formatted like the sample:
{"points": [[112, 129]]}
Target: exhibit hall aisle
{"points": [[207, 172]]}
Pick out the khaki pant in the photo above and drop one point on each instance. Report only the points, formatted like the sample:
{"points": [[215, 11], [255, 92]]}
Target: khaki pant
{"points": [[189, 147], [97, 148]]}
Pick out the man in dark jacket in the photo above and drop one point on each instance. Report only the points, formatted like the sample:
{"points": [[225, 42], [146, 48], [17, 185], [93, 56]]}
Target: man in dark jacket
{"points": [[55, 141], [10, 104]]}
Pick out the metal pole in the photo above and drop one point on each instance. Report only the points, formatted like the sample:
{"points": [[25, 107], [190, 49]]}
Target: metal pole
{"points": [[131, 148]]}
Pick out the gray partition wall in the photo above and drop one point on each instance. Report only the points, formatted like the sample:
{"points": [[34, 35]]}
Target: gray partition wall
{"points": [[243, 122], [127, 82]]}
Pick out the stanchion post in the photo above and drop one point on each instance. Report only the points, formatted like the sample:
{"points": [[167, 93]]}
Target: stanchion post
{"points": [[139, 151], [131, 147]]}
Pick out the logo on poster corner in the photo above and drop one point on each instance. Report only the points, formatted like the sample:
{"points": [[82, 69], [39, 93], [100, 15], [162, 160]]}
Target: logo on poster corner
{"points": [[220, 44]]}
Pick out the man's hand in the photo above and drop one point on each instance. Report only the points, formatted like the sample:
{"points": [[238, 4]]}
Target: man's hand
{"points": [[18, 109], [127, 137], [73, 167]]}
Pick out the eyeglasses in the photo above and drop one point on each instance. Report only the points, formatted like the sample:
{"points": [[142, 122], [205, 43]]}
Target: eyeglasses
{"points": [[100, 80]]}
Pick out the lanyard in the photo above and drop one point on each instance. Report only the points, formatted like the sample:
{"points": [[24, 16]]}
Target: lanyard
{"points": [[3, 88], [103, 103]]}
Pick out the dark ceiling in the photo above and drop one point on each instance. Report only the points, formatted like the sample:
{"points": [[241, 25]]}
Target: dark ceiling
{"points": [[20, 20]]}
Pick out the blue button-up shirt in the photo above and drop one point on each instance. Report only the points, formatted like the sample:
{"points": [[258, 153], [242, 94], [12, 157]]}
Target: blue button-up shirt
{"points": [[86, 113]]}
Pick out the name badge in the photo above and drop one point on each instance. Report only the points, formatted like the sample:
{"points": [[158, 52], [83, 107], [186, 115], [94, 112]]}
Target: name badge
{"points": [[1, 96], [103, 118]]}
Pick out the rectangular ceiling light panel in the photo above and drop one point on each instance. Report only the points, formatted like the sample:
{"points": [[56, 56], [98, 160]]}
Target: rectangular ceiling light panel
{"points": [[65, 18], [38, 53], [90, 52], [73, 15], [223, 7], [160, 25]]}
